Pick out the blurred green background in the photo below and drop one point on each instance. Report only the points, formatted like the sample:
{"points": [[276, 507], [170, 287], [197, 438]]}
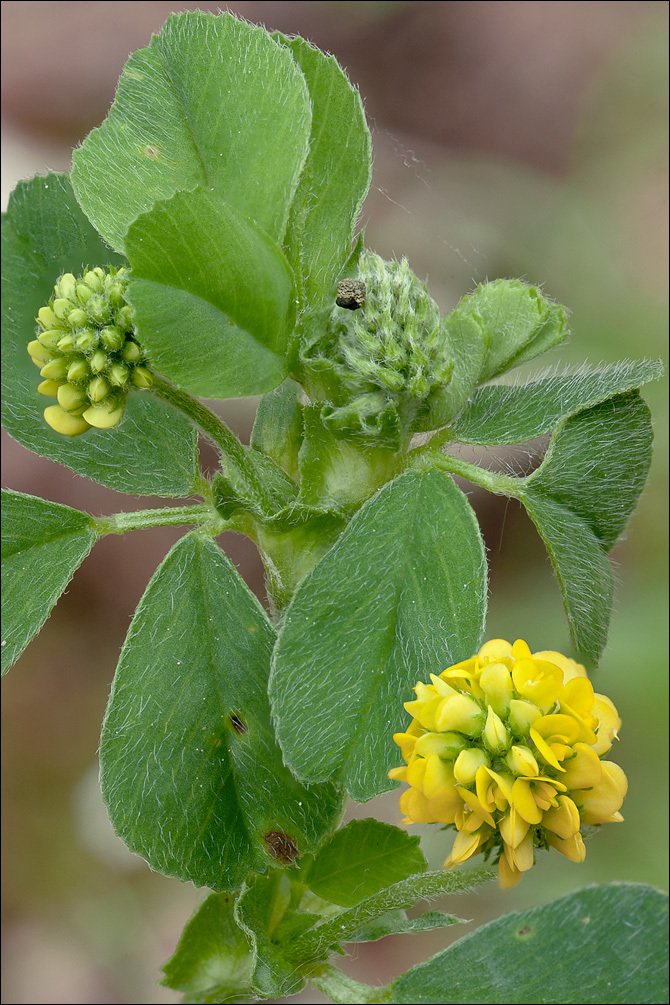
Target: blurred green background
{"points": [[510, 139]]}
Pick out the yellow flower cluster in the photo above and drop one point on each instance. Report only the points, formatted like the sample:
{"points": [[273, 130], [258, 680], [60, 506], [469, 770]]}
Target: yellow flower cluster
{"points": [[507, 747], [86, 352]]}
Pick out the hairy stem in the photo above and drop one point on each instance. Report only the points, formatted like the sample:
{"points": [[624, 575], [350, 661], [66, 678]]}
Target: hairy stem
{"points": [[345, 990], [425, 460], [201, 514]]}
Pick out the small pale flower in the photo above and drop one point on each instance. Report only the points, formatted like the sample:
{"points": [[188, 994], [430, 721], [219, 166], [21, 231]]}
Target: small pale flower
{"points": [[507, 747]]}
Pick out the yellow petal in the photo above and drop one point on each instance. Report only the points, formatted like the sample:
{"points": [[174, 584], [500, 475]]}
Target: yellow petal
{"points": [[468, 763], [416, 769], [398, 774], [437, 776], [597, 805], [520, 650], [523, 855], [609, 724], [513, 828], [104, 416], [415, 806], [465, 845], [573, 849], [444, 805], [584, 770], [495, 649], [562, 820], [569, 667], [460, 714], [523, 799], [538, 681], [508, 875]]}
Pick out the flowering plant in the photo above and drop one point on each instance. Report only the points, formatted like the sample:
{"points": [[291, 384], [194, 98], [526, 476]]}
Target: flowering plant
{"points": [[187, 258]]}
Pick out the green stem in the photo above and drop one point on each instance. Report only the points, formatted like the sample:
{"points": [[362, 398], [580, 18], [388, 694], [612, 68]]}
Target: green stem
{"points": [[426, 460], [167, 516], [343, 989], [211, 425]]}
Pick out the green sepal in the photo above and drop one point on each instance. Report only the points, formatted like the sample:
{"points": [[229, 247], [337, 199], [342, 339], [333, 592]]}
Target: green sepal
{"points": [[371, 418], [43, 544]]}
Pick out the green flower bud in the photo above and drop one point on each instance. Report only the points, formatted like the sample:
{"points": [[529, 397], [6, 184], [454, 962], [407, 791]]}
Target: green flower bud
{"points": [[66, 286], [142, 377], [49, 387], [55, 369], [112, 338], [38, 353], [495, 735], [72, 399], [61, 308], [46, 317], [78, 371], [99, 361], [118, 375], [98, 389], [521, 761], [84, 293], [131, 352], [98, 311], [66, 343], [77, 317], [94, 281], [50, 338], [87, 340]]}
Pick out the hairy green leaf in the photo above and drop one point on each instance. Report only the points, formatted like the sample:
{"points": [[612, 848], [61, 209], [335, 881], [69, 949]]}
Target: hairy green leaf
{"points": [[348, 655], [580, 499], [153, 451], [191, 772], [211, 101], [43, 544], [604, 945], [336, 176], [213, 961], [504, 413], [213, 296], [361, 859], [597, 464]]}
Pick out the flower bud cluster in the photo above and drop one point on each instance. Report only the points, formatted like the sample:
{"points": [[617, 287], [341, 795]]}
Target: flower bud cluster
{"points": [[86, 352], [395, 342], [376, 358], [508, 747]]}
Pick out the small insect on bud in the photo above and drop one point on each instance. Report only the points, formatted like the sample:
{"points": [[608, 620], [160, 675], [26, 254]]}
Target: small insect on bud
{"points": [[350, 294]]}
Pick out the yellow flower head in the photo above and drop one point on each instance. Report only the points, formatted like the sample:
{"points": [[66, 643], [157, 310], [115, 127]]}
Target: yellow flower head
{"points": [[507, 747], [86, 351]]}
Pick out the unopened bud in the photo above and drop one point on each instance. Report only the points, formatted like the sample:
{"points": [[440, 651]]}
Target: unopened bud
{"points": [[63, 422], [104, 416], [131, 352], [98, 389], [55, 369], [38, 353], [50, 338], [72, 399], [62, 307], [98, 361], [49, 388], [66, 286], [112, 338], [468, 763], [46, 317], [77, 317], [77, 371], [142, 377], [118, 375], [495, 735]]}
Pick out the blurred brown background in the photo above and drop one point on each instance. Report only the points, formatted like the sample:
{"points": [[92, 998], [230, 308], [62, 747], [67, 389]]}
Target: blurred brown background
{"points": [[516, 138]]}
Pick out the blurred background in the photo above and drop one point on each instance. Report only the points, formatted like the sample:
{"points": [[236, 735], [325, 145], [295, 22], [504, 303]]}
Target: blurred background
{"points": [[510, 139]]}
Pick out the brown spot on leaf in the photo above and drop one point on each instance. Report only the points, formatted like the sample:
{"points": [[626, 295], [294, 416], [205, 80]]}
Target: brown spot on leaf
{"points": [[281, 847]]}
